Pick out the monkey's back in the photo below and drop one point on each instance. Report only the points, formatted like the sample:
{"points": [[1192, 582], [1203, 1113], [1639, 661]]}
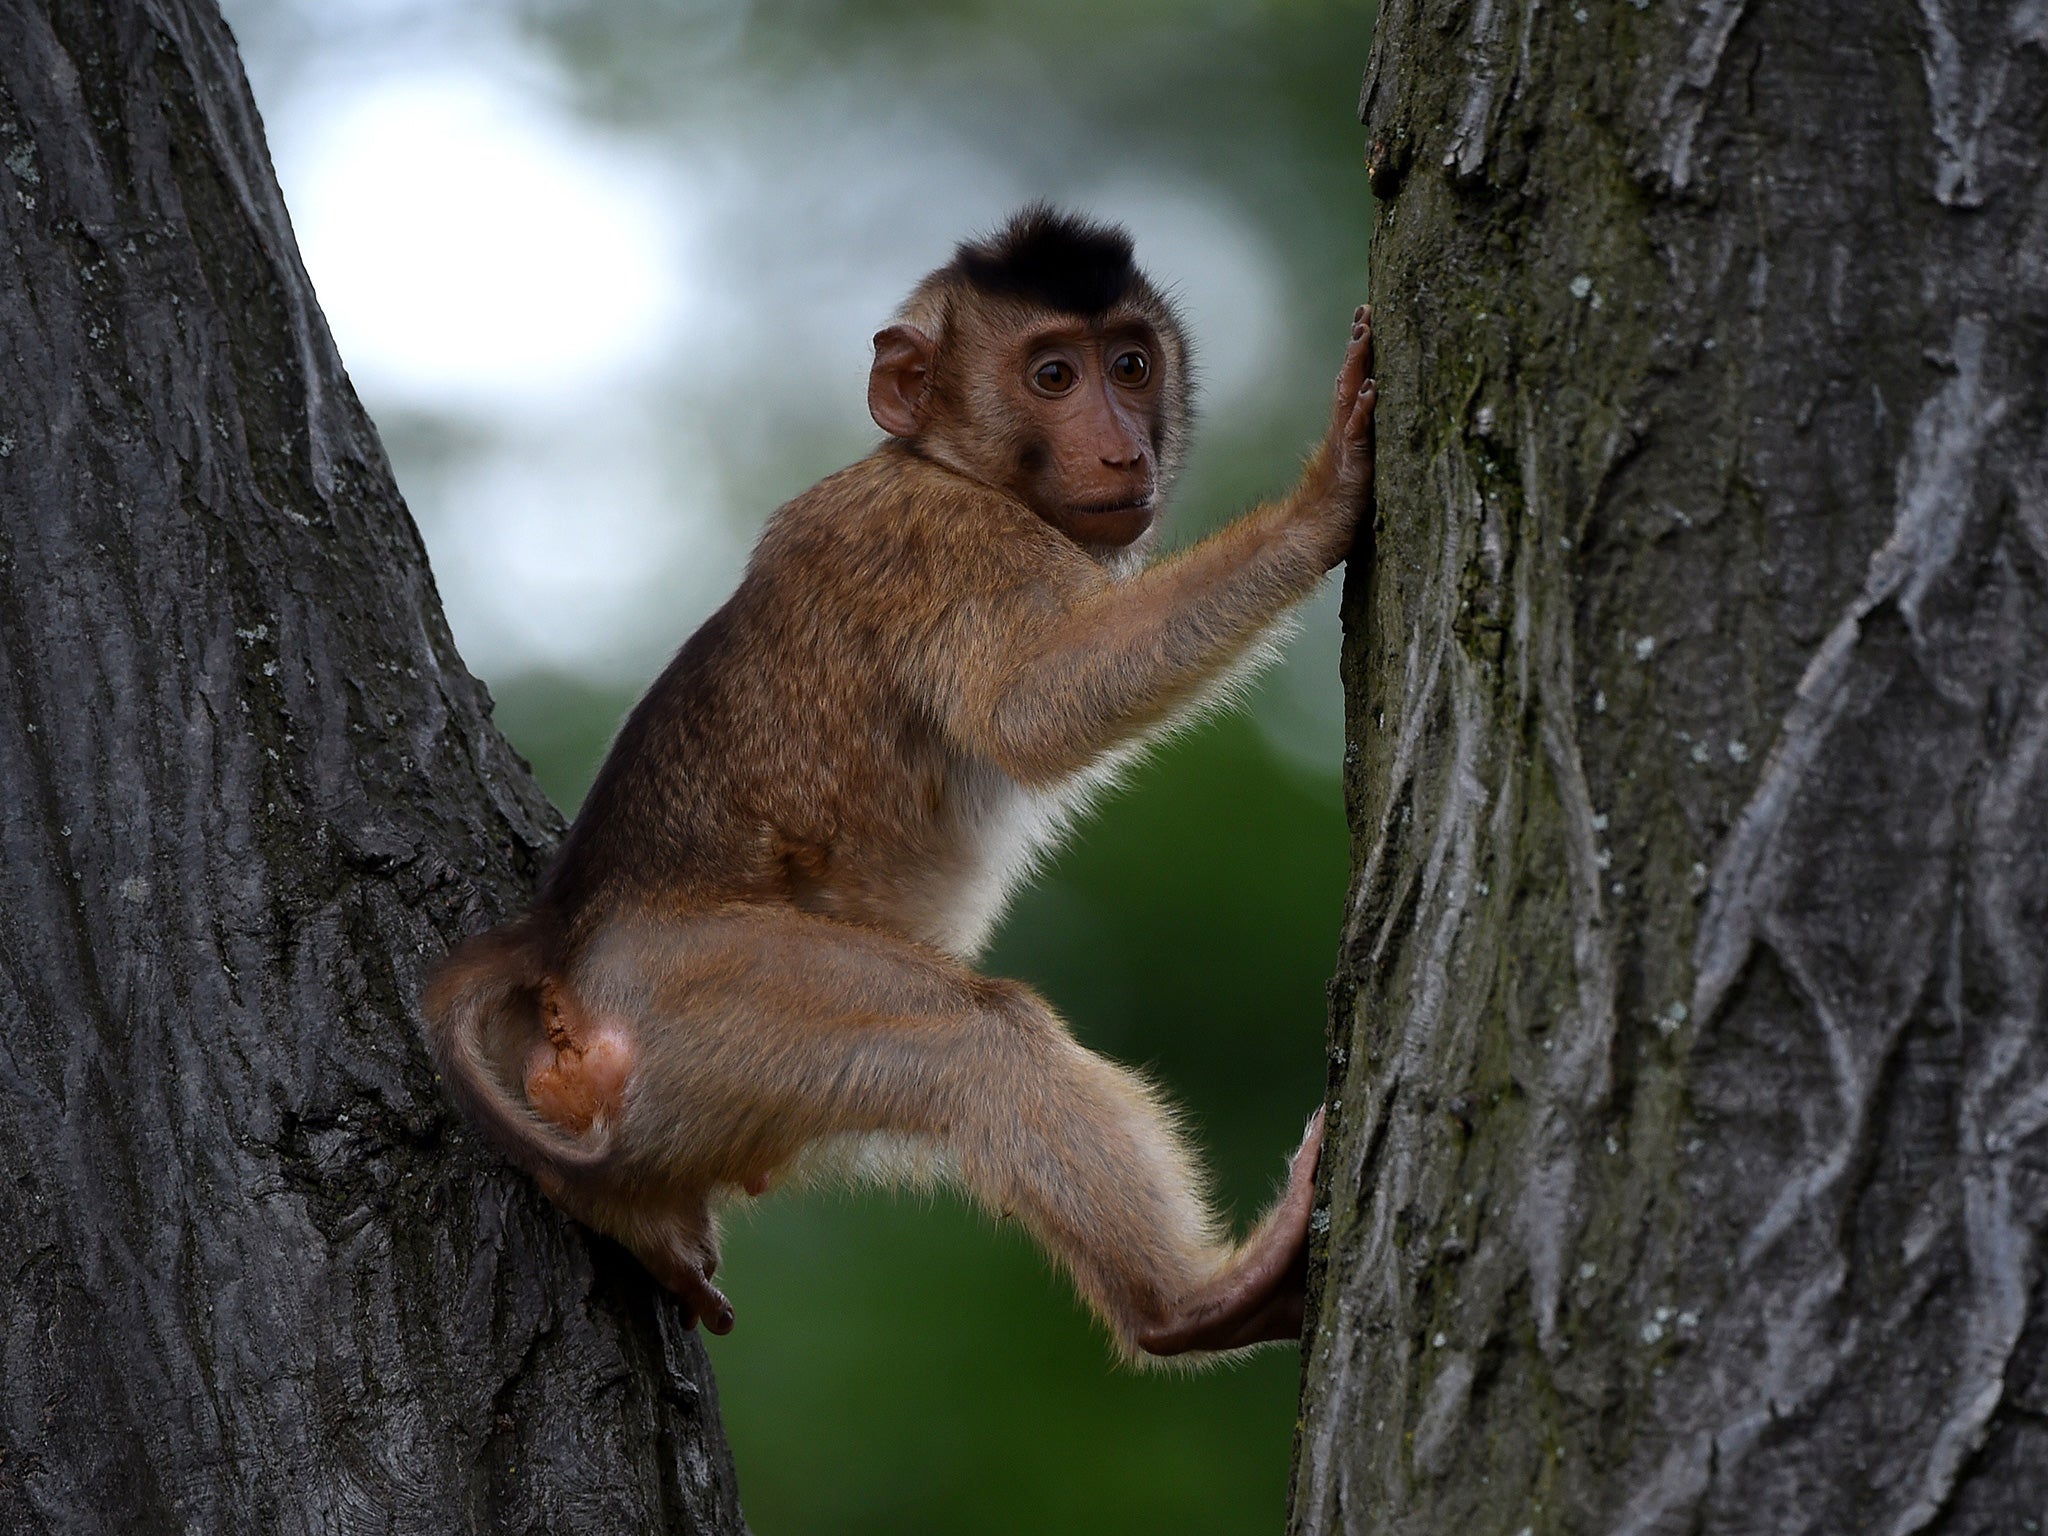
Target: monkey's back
{"points": [[791, 752]]}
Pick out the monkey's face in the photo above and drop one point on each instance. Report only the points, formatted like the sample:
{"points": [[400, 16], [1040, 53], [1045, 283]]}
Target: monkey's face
{"points": [[1084, 407], [1080, 417]]}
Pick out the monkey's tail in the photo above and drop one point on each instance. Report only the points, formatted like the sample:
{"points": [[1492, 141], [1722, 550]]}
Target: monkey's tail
{"points": [[482, 1008]]}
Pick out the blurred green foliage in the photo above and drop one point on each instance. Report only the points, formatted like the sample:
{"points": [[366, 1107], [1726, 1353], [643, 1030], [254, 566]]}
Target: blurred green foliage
{"points": [[902, 1364]]}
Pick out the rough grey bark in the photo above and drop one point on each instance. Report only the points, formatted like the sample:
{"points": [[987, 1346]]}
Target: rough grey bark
{"points": [[1690, 1172], [256, 1277]]}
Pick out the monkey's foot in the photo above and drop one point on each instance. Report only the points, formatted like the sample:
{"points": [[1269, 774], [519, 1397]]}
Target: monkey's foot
{"points": [[1260, 1297], [690, 1279]]}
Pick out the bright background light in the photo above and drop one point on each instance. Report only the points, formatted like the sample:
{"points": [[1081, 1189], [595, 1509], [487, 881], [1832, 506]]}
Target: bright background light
{"points": [[474, 246]]}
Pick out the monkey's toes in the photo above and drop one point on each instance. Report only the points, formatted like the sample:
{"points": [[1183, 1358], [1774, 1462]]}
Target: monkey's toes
{"points": [[707, 1305], [1311, 1141], [690, 1280], [710, 1305]]}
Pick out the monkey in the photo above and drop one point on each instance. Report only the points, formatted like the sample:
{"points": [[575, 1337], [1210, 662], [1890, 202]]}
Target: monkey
{"points": [[751, 956]]}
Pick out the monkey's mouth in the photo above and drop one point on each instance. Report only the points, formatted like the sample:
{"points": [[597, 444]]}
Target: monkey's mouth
{"points": [[1114, 508], [1111, 524]]}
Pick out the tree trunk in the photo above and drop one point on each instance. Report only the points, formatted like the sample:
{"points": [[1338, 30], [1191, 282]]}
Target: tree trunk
{"points": [[1691, 1160], [258, 1279]]}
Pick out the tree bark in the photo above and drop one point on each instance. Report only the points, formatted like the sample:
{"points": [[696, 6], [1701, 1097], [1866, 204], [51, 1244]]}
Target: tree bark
{"points": [[257, 1277], [1690, 1164]]}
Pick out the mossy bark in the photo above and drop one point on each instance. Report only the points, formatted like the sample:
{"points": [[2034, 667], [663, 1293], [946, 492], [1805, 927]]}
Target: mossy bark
{"points": [[257, 1277], [1689, 1164]]}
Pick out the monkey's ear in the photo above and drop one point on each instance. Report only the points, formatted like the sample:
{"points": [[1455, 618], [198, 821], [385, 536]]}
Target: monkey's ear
{"points": [[896, 384]]}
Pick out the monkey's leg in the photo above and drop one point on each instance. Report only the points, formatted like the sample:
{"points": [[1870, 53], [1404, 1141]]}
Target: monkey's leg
{"points": [[765, 1030], [575, 1074]]}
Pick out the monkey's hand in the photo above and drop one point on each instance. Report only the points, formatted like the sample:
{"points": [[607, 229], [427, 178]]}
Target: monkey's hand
{"points": [[1260, 1295], [1338, 486]]}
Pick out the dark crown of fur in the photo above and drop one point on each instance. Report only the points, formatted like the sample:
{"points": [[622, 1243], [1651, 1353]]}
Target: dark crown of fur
{"points": [[1058, 260]]}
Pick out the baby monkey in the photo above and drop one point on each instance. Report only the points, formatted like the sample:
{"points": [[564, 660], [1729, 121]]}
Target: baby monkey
{"points": [[751, 953]]}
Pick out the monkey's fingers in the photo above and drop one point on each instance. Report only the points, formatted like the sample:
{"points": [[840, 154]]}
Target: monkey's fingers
{"points": [[1357, 366], [1358, 425], [1261, 1297]]}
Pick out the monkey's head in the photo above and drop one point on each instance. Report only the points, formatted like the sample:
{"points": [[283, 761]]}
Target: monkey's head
{"points": [[1042, 362]]}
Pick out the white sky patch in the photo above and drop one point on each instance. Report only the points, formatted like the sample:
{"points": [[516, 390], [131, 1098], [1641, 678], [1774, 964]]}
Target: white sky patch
{"points": [[826, 220], [579, 553], [472, 244]]}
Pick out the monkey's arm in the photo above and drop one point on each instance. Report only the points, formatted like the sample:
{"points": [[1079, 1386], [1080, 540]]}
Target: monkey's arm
{"points": [[1047, 686]]}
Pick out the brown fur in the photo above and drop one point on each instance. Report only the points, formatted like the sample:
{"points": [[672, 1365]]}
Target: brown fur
{"points": [[751, 948]]}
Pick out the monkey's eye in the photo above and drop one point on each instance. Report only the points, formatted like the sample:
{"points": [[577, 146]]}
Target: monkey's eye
{"points": [[1133, 368], [1054, 377]]}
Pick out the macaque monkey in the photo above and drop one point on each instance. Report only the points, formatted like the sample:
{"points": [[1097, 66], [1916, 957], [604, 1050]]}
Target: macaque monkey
{"points": [[750, 957]]}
